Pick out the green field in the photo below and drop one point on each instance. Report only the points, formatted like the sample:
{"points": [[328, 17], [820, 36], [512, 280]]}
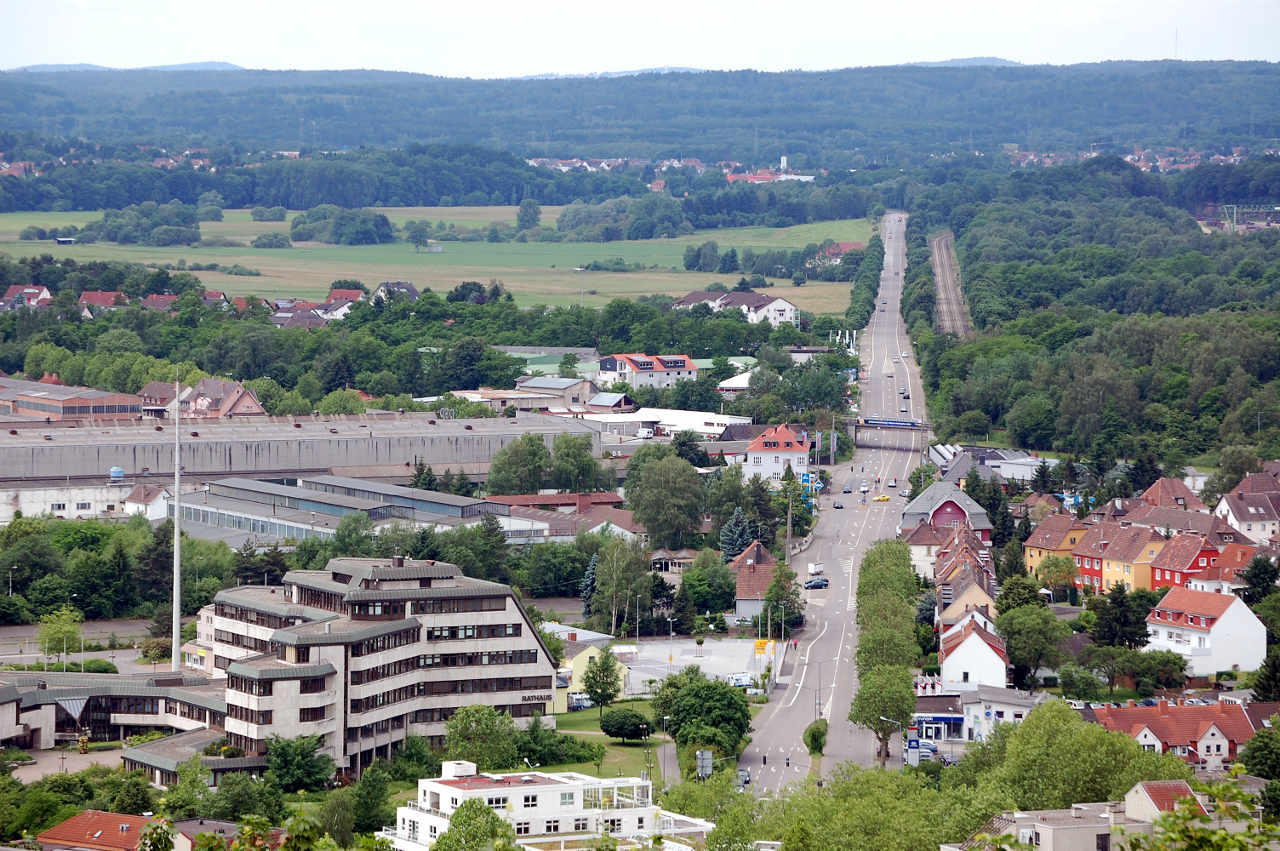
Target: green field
{"points": [[536, 273]]}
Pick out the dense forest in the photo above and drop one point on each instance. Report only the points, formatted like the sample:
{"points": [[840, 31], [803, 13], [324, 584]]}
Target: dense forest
{"points": [[896, 114], [1109, 324]]}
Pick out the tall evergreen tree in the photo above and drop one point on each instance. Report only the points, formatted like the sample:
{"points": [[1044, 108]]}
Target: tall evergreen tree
{"points": [[1040, 482], [1266, 686], [1024, 529], [587, 588], [735, 535], [683, 611]]}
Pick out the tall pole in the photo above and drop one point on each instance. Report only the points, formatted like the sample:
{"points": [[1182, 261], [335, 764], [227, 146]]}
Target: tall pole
{"points": [[637, 620], [177, 526], [787, 554]]}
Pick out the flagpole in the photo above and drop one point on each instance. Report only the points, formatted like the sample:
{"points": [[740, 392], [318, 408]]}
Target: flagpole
{"points": [[177, 526]]}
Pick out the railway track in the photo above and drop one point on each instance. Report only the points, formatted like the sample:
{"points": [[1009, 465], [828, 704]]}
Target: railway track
{"points": [[952, 314]]}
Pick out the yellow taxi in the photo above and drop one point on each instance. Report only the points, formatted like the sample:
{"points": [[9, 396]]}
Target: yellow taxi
{"points": [[884, 497]]}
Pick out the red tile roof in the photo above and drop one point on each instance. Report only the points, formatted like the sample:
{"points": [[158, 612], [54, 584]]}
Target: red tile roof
{"points": [[956, 637], [349, 295], [925, 535], [1233, 559], [657, 363], [1181, 553], [1165, 794], [754, 571], [1173, 493], [1178, 725], [1257, 483], [1176, 605], [96, 829], [102, 298], [1051, 532], [778, 437], [159, 301]]}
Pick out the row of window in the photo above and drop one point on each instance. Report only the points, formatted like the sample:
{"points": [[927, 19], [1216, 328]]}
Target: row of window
{"points": [[246, 615], [258, 645], [612, 825], [453, 633], [390, 641], [249, 716], [444, 660], [480, 686]]}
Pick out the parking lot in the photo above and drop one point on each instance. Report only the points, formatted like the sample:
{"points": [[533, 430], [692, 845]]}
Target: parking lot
{"points": [[718, 659]]}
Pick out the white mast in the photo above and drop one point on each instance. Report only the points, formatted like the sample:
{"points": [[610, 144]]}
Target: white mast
{"points": [[177, 526]]}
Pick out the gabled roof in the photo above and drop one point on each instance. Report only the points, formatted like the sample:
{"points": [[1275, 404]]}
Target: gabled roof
{"points": [[639, 362], [1132, 543], [1178, 604], [96, 829], [1178, 725], [1181, 551], [1257, 483], [1165, 794], [597, 515], [938, 493], [953, 639], [607, 400], [1217, 530], [1173, 493], [1255, 506], [779, 438], [102, 298], [1233, 559], [924, 535], [699, 297], [1260, 712], [348, 295], [754, 571], [1051, 533], [159, 301]]}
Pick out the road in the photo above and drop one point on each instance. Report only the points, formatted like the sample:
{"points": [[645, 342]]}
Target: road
{"points": [[820, 676], [952, 312]]}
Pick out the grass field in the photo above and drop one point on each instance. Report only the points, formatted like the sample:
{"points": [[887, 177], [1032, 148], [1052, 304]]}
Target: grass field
{"points": [[536, 273]]}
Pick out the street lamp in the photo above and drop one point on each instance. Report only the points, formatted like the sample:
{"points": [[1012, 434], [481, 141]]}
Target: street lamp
{"points": [[671, 625], [12, 568]]}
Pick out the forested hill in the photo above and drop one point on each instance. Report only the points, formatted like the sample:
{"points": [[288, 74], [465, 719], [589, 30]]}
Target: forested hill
{"points": [[833, 118]]}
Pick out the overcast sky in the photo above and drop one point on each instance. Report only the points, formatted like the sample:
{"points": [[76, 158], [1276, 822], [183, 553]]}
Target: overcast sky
{"points": [[504, 38]]}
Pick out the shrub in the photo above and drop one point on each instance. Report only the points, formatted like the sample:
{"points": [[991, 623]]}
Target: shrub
{"points": [[275, 239], [815, 736], [623, 723], [156, 649], [98, 666], [33, 232], [268, 214]]}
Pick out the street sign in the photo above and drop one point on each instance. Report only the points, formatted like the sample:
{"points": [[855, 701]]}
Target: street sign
{"points": [[762, 644], [702, 759]]}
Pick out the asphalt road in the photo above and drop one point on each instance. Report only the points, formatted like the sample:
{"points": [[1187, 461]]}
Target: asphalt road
{"points": [[820, 676]]}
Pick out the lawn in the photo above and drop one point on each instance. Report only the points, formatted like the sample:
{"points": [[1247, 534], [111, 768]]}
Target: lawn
{"points": [[589, 719], [536, 273]]}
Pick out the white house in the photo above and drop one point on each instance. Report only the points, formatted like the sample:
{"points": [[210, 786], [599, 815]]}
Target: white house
{"points": [[1216, 632], [757, 307], [772, 451], [541, 806], [972, 656], [986, 706], [640, 370], [1255, 514], [84, 500]]}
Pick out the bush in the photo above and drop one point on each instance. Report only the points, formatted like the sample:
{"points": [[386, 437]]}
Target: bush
{"points": [[815, 736], [209, 214], [98, 666], [32, 232], [275, 239], [143, 738], [622, 723], [156, 649], [268, 214]]}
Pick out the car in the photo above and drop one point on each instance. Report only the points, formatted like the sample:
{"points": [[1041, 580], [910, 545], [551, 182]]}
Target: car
{"points": [[864, 487], [817, 582], [838, 504], [847, 489], [744, 777], [906, 394], [902, 390], [884, 497], [893, 483]]}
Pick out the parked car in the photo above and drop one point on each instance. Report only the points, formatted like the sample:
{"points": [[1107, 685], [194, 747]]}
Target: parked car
{"points": [[893, 483], [817, 582], [847, 489], [838, 504], [744, 777], [864, 487]]}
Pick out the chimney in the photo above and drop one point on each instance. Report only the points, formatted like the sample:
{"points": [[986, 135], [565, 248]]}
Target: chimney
{"points": [[397, 561]]}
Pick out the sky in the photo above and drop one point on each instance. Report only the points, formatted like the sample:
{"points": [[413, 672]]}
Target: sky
{"points": [[505, 38]]}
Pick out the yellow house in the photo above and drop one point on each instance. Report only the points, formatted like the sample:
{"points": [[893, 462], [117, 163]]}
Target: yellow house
{"points": [[972, 597], [575, 663], [1056, 535], [1127, 557]]}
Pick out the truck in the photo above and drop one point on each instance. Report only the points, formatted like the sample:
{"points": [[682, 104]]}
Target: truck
{"points": [[644, 433], [815, 568]]}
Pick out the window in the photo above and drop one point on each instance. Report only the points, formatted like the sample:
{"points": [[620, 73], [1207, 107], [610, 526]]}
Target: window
{"points": [[522, 828], [311, 713], [496, 802], [580, 824], [530, 801], [964, 677], [566, 799], [552, 826], [82, 506], [640, 823], [1201, 641], [1103, 843], [57, 506], [613, 825]]}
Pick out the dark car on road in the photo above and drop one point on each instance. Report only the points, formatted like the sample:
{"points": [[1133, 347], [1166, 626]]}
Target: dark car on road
{"points": [[838, 505], [847, 489], [817, 582]]}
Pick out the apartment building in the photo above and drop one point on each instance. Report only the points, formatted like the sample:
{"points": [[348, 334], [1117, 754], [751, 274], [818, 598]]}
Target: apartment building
{"points": [[640, 370], [369, 651], [542, 806]]}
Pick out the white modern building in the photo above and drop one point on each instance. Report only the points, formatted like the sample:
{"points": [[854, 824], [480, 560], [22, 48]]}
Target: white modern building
{"points": [[641, 370], [1216, 632], [666, 421], [542, 806], [773, 451], [367, 652], [757, 307], [83, 500]]}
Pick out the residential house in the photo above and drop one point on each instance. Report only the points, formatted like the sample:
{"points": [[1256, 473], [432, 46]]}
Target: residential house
{"points": [[33, 296], [944, 506], [757, 307], [607, 520], [1036, 506], [775, 449], [1087, 554], [215, 299], [641, 370], [611, 403], [962, 548], [162, 302], [394, 289], [95, 830], [1185, 555], [1128, 556], [967, 589], [578, 655], [734, 385], [151, 501], [1254, 512], [210, 398], [1170, 521], [972, 714], [185, 832], [1224, 576], [334, 309], [923, 542], [753, 573], [297, 318], [1209, 737], [340, 294], [1168, 492], [663, 560], [93, 302], [1093, 826], [1055, 535], [971, 655], [1216, 632]]}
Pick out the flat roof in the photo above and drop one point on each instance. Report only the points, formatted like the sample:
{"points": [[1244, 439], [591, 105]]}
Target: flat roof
{"points": [[274, 489], [502, 781], [390, 490]]}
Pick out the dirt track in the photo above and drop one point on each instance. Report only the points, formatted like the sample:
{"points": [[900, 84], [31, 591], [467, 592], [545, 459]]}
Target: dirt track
{"points": [[952, 312]]}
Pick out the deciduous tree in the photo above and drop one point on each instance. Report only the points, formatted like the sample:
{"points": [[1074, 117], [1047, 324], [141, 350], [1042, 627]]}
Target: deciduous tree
{"points": [[481, 734], [883, 704]]}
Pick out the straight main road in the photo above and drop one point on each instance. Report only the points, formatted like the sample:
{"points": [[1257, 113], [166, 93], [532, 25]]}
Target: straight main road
{"points": [[819, 677]]}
